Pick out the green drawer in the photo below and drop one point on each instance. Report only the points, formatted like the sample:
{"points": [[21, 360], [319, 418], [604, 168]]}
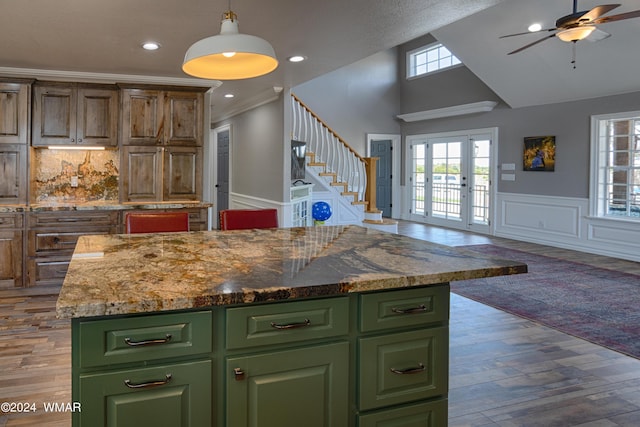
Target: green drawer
{"points": [[256, 325], [172, 395], [429, 414], [403, 367], [404, 308], [144, 338]]}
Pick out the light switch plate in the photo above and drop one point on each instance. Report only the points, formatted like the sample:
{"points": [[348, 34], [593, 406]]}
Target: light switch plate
{"points": [[508, 166], [508, 177]]}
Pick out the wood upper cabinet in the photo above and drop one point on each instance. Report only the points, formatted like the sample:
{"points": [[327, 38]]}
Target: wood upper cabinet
{"points": [[73, 114], [159, 117], [161, 173], [13, 174], [162, 138], [15, 109], [11, 243]]}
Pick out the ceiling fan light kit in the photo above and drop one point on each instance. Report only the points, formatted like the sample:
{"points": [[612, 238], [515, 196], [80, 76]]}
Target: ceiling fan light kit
{"points": [[576, 33], [230, 55], [580, 25]]}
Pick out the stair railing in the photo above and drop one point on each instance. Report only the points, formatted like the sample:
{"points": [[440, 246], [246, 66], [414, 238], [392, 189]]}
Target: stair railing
{"points": [[331, 149]]}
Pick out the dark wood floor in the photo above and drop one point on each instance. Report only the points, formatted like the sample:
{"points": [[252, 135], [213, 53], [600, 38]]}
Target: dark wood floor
{"points": [[505, 371]]}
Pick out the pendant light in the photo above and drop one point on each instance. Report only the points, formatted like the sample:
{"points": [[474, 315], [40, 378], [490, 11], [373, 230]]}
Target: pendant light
{"points": [[230, 55]]}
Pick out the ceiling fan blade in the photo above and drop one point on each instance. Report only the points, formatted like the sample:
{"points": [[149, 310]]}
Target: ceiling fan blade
{"points": [[527, 32], [620, 17], [598, 11], [597, 35], [531, 44]]}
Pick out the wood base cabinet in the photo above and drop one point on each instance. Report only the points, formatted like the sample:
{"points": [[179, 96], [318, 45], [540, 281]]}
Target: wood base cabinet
{"points": [[375, 359], [52, 237]]}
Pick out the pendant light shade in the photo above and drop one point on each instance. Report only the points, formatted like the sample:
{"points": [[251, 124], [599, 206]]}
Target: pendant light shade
{"points": [[230, 55]]}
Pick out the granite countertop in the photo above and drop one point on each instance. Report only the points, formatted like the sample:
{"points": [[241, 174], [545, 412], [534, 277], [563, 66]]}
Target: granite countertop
{"points": [[99, 205], [124, 274]]}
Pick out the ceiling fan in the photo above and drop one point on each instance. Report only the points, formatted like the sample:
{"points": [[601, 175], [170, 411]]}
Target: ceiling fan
{"points": [[579, 25]]}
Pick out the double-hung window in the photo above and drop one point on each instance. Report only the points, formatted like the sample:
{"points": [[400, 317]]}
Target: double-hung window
{"points": [[428, 59], [615, 159]]}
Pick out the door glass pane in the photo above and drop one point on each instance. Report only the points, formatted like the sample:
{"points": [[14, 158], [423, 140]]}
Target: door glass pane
{"points": [[418, 175], [480, 181], [445, 178]]}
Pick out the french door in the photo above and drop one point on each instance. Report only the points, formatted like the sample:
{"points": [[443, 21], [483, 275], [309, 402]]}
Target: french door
{"points": [[450, 179]]}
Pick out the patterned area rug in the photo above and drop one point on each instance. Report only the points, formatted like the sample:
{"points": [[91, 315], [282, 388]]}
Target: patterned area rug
{"points": [[595, 304]]}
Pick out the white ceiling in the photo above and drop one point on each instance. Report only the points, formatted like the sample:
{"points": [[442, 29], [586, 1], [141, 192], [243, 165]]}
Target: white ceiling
{"points": [[543, 73], [104, 37]]}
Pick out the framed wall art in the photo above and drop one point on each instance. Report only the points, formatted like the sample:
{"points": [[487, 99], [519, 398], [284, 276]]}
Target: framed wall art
{"points": [[539, 153]]}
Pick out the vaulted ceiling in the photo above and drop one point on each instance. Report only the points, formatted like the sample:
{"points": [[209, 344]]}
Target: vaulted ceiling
{"points": [[103, 38], [544, 74]]}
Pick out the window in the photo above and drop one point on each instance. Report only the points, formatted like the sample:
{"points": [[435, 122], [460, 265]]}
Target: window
{"points": [[615, 154], [429, 59]]}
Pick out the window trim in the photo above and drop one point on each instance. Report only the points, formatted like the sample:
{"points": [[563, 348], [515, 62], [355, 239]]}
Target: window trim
{"points": [[427, 47], [597, 200]]}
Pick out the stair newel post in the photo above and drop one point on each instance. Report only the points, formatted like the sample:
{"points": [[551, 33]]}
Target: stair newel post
{"points": [[370, 191]]}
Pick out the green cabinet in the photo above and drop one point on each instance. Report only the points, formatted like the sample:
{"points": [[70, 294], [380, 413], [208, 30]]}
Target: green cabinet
{"points": [[291, 388], [174, 395], [144, 370], [429, 414], [375, 359], [402, 367]]}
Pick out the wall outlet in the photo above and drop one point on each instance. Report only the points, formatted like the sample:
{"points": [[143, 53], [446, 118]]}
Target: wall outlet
{"points": [[74, 181]]}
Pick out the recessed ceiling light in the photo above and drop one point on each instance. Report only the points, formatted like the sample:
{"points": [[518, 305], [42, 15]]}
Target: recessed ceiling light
{"points": [[296, 58], [229, 95], [151, 46], [535, 27]]}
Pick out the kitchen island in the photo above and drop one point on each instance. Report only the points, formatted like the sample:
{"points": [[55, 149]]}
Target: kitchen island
{"points": [[320, 326]]}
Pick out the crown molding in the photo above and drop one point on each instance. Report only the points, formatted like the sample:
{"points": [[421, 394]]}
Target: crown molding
{"points": [[456, 110], [79, 76]]}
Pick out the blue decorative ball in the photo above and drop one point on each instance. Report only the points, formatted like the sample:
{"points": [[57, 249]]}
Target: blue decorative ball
{"points": [[321, 211]]}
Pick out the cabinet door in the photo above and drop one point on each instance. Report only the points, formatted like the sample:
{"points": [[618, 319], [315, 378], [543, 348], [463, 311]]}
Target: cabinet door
{"points": [[54, 115], [141, 174], [177, 395], [142, 113], [182, 173], [183, 118], [13, 174], [14, 113], [97, 117], [292, 388], [10, 259]]}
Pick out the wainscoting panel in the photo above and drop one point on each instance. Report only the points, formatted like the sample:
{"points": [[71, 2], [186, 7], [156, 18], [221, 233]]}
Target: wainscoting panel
{"points": [[540, 216], [564, 222], [243, 201]]}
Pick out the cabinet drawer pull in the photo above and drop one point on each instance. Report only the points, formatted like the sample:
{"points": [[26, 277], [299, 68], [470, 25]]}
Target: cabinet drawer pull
{"points": [[164, 340], [416, 370], [149, 384], [420, 309], [306, 322]]}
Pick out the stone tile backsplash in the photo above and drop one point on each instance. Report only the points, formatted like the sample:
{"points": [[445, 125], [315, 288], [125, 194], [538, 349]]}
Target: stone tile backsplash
{"points": [[74, 176]]}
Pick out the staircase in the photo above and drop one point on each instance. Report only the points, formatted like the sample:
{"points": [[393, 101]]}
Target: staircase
{"points": [[341, 175]]}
